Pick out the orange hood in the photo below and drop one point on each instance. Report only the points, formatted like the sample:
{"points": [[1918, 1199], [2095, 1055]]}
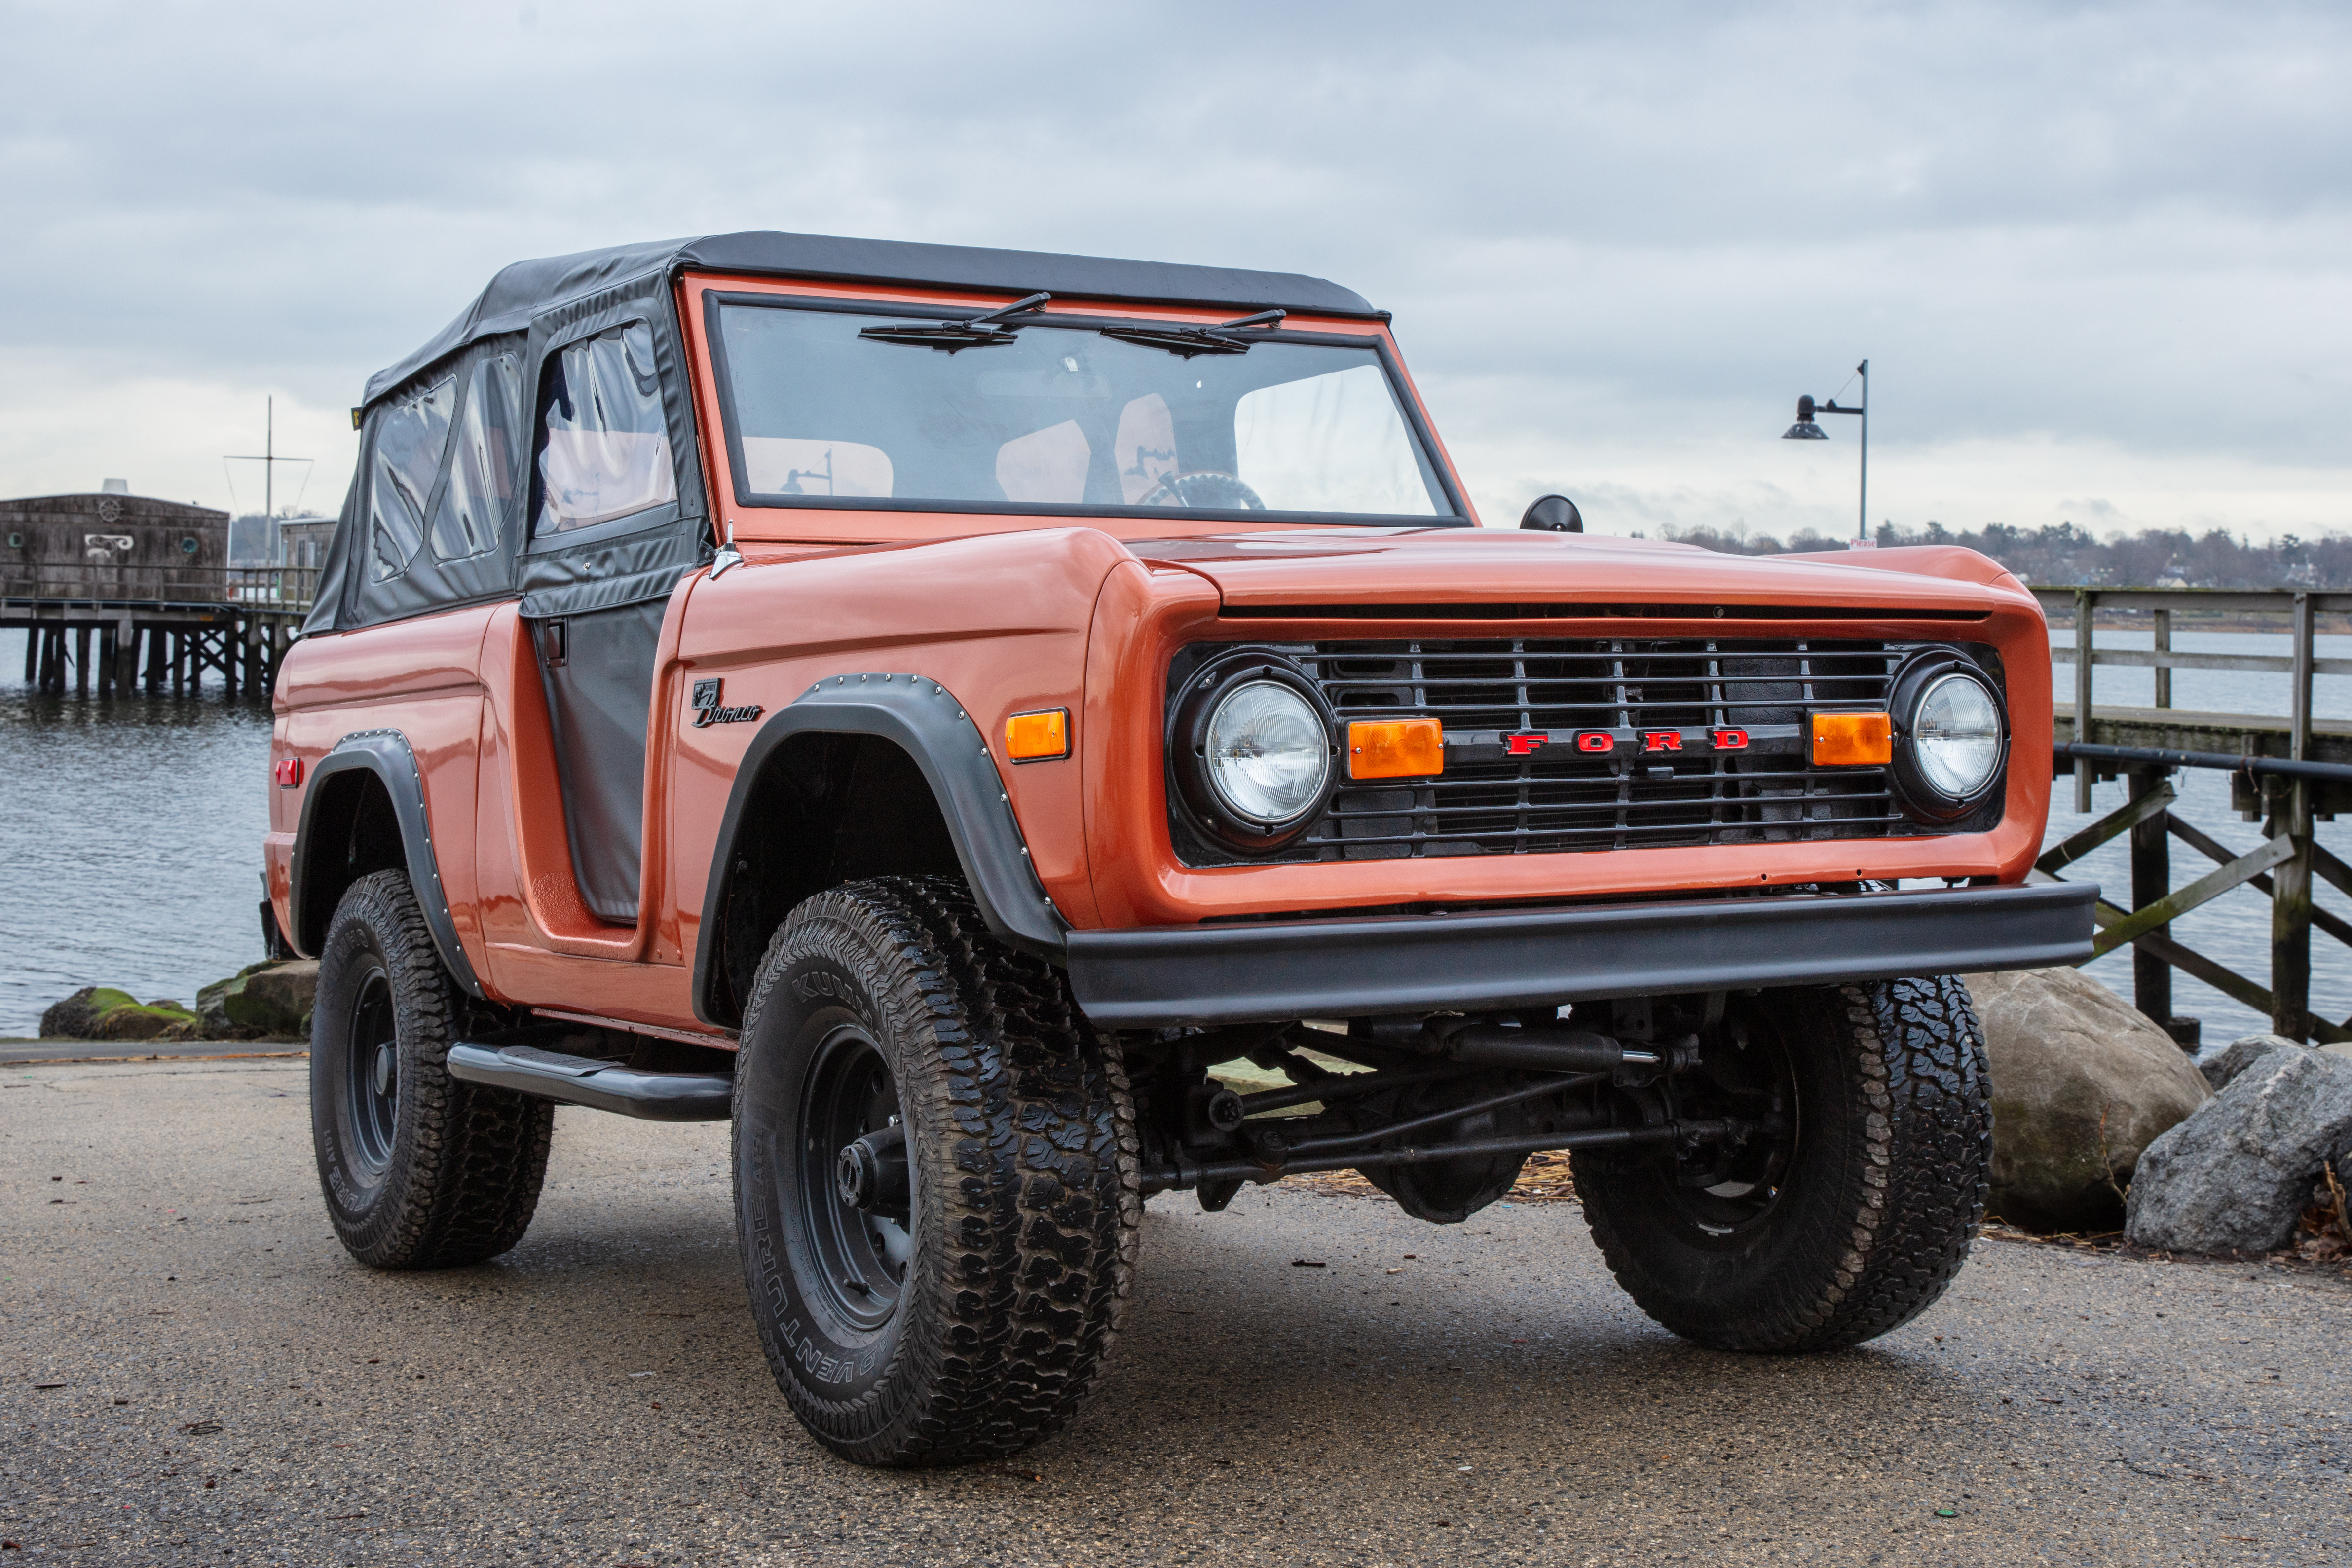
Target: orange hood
{"points": [[1471, 565]]}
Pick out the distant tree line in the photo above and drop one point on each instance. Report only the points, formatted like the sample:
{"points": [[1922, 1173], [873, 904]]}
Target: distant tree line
{"points": [[2063, 555]]}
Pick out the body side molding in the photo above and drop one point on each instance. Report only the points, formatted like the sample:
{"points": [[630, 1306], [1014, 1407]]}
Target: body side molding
{"points": [[386, 754]]}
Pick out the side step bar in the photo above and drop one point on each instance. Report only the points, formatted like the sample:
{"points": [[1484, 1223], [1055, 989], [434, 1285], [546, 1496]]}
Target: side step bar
{"points": [[605, 1086]]}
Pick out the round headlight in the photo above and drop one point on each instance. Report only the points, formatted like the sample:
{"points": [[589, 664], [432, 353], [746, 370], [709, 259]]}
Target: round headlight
{"points": [[1956, 736], [1268, 755]]}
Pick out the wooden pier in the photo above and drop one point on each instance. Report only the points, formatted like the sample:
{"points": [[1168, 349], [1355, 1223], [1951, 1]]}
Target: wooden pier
{"points": [[116, 638], [2285, 772], [120, 592]]}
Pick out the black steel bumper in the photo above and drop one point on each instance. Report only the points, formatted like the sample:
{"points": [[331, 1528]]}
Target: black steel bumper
{"points": [[1157, 976]]}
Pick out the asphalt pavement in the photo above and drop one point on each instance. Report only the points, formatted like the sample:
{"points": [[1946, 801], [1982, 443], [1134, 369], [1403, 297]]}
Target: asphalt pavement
{"points": [[192, 1371]]}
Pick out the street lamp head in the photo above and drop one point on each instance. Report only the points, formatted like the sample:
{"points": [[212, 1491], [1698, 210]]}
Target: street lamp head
{"points": [[1804, 430]]}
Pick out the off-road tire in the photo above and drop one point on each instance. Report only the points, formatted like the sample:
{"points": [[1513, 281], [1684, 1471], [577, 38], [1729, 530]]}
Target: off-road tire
{"points": [[1882, 1198], [444, 1173], [1023, 1169]]}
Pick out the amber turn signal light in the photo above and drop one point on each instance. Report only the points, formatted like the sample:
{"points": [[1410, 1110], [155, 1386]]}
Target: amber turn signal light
{"points": [[1846, 740], [1038, 737], [1395, 748]]}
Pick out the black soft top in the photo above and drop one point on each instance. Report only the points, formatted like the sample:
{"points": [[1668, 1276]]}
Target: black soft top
{"points": [[528, 289]]}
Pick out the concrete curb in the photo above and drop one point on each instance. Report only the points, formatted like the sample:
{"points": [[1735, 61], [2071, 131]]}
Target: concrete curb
{"points": [[54, 1052]]}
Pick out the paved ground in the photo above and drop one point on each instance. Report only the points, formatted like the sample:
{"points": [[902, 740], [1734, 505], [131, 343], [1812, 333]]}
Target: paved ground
{"points": [[232, 1389]]}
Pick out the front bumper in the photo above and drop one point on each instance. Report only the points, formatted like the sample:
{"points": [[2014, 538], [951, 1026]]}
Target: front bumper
{"points": [[1157, 976]]}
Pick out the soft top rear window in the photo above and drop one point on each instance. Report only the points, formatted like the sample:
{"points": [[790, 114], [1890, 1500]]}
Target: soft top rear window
{"points": [[1295, 426]]}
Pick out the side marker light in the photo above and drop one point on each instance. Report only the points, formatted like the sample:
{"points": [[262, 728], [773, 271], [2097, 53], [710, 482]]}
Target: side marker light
{"points": [[1850, 740], [1395, 748], [1038, 737], [287, 772]]}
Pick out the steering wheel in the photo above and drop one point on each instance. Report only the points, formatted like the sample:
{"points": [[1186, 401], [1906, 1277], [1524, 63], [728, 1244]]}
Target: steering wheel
{"points": [[1202, 487]]}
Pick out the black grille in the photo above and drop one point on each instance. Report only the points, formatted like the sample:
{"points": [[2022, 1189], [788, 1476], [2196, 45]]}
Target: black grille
{"points": [[1541, 694]]}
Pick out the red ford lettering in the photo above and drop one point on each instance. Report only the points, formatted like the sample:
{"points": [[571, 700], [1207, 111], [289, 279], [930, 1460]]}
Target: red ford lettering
{"points": [[1661, 740], [1727, 739], [1526, 741], [1596, 740]]}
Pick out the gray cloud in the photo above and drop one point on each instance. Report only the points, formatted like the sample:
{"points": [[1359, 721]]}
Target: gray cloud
{"points": [[1625, 237]]}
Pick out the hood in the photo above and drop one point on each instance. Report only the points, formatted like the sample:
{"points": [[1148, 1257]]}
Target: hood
{"points": [[1551, 572]]}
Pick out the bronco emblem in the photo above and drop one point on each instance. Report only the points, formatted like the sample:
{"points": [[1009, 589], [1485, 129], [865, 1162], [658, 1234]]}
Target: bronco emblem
{"points": [[707, 710]]}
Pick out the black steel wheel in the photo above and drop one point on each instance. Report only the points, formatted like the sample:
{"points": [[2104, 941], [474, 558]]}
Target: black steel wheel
{"points": [[371, 1074], [857, 1203], [419, 1170], [1851, 1214], [935, 1179]]}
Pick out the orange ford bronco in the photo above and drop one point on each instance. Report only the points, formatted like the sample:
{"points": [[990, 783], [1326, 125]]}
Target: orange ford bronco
{"points": [[944, 709]]}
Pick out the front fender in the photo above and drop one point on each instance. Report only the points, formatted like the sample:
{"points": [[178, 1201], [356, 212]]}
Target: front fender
{"points": [[924, 719]]}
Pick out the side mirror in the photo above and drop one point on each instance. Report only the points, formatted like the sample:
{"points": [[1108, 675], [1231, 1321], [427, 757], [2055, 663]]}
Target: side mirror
{"points": [[1554, 514]]}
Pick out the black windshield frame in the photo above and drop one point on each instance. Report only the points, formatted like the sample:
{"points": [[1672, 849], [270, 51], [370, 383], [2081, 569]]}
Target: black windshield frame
{"points": [[714, 301]]}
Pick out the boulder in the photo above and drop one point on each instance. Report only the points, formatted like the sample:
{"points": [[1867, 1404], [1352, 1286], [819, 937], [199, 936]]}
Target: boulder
{"points": [[72, 1018], [102, 1013], [2080, 1084], [271, 999], [140, 1021], [2235, 1176], [2241, 1053]]}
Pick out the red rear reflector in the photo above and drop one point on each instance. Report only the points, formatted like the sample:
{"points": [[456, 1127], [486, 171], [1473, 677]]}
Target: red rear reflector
{"points": [[1038, 737], [287, 772], [1395, 748], [1847, 739]]}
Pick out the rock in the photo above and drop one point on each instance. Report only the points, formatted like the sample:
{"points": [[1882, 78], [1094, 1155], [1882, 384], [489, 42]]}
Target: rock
{"points": [[271, 999], [2241, 1053], [2066, 1055], [102, 1013], [72, 1018], [138, 1022], [2235, 1176], [212, 1003]]}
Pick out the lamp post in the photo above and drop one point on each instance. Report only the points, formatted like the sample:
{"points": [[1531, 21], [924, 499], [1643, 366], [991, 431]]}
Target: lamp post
{"points": [[1805, 429]]}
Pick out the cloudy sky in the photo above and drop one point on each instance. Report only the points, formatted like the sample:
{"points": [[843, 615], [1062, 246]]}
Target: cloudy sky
{"points": [[2097, 255]]}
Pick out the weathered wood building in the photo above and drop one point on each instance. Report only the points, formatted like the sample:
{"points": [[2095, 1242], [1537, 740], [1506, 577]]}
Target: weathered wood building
{"points": [[111, 546], [116, 590]]}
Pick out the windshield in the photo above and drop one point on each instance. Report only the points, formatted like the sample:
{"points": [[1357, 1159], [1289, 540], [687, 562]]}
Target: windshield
{"points": [[1064, 417]]}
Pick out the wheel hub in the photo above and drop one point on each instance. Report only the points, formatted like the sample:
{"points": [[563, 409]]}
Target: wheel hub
{"points": [[870, 1173]]}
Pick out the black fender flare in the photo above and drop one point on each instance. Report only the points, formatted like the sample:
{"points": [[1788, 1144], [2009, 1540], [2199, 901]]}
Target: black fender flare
{"points": [[924, 719], [386, 754]]}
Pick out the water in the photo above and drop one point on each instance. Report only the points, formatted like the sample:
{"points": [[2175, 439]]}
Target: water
{"points": [[2233, 930], [130, 843], [131, 847]]}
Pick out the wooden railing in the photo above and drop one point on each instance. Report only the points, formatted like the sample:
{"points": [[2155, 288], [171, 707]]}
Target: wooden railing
{"points": [[288, 588], [2287, 770]]}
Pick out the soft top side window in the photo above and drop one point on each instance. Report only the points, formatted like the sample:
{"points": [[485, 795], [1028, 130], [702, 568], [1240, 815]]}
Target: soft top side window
{"points": [[481, 469], [411, 434], [604, 444]]}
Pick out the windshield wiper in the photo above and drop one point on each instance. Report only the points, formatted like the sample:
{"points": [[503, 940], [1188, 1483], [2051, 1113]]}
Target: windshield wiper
{"points": [[1187, 341], [990, 330]]}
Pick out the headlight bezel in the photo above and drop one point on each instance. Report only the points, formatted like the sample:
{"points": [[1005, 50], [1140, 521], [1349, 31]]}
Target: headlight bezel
{"points": [[1205, 692], [1916, 791]]}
